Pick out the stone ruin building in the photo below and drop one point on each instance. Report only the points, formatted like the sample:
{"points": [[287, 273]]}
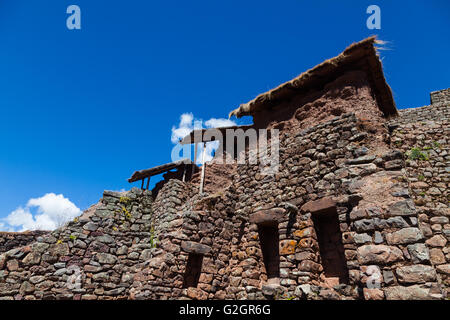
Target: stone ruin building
{"points": [[357, 210]]}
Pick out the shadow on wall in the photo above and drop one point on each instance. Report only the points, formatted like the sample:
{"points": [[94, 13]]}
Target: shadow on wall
{"points": [[269, 239], [331, 248]]}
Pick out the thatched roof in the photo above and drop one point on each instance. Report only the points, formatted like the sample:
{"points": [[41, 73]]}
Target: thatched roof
{"points": [[358, 56], [207, 135], [139, 175]]}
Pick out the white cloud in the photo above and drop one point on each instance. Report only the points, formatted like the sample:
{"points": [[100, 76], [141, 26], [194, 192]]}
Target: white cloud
{"points": [[51, 212], [184, 128], [188, 123], [218, 123]]}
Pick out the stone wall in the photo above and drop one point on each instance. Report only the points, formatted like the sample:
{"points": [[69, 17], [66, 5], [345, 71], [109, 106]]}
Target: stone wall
{"points": [[422, 134], [441, 96], [334, 164], [419, 115], [353, 213], [332, 160], [92, 257], [161, 277], [11, 240]]}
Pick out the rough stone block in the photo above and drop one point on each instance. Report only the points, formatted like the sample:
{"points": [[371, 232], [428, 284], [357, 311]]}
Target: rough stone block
{"points": [[269, 216], [402, 208], [379, 254], [418, 252], [404, 236], [416, 274], [373, 294], [319, 206], [287, 247], [437, 241], [415, 292], [437, 256], [194, 247], [444, 268]]}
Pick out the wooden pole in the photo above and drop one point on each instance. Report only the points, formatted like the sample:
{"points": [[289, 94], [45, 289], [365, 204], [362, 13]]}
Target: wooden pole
{"points": [[203, 168], [148, 182], [184, 172], [195, 158], [142, 184]]}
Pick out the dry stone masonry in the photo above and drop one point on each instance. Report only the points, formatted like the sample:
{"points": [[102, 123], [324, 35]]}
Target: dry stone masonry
{"points": [[422, 135], [11, 240], [441, 96], [357, 210]]}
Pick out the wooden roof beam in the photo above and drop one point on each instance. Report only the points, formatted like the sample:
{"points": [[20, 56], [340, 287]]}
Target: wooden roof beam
{"points": [[198, 135], [142, 174]]}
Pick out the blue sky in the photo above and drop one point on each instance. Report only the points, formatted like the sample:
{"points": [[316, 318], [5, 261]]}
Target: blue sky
{"points": [[82, 109]]}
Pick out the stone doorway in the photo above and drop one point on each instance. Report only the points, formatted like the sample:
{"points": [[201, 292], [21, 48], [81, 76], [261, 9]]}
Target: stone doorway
{"points": [[269, 241], [329, 236], [193, 270]]}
